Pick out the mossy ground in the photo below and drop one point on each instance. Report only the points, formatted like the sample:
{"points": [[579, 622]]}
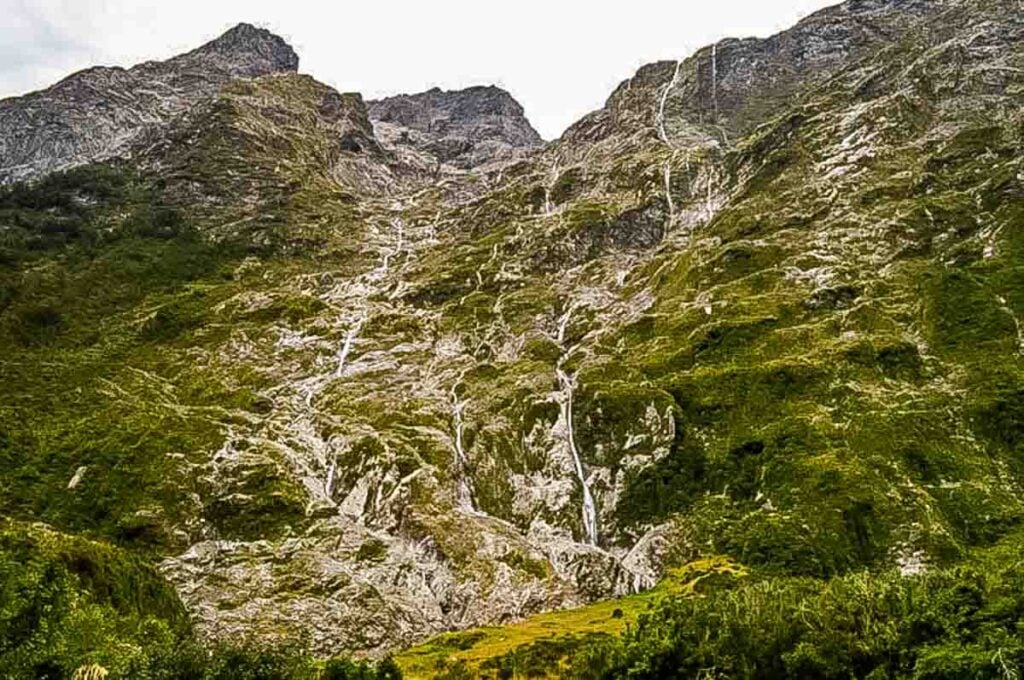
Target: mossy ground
{"points": [[471, 651]]}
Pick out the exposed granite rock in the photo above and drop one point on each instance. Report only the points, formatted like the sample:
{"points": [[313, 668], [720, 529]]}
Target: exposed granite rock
{"points": [[462, 128], [728, 88], [97, 113]]}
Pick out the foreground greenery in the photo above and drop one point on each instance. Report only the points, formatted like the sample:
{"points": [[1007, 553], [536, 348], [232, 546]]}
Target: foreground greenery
{"points": [[70, 607], [962, 622]]}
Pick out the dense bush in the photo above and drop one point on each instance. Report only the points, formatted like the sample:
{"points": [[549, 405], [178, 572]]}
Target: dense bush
{"points": [[68, 604], [956, 623]]}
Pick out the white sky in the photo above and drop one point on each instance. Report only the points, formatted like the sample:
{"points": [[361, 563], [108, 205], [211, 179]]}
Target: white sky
{"points": [[559, 58]]}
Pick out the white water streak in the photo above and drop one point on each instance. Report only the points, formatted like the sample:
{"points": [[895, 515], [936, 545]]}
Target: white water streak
{"points": [[563, 324], [661, 104], [668, 189], [465, 492], [553, 177], [663, 134], [568, 385], [329, 481], [399, 226], [1016, 322], [346, 348], [589, 509], [714, 78]]}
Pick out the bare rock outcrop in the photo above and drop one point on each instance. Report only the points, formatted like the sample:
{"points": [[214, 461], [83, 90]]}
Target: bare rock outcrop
{"points": [[97, 114], [464, 129]]}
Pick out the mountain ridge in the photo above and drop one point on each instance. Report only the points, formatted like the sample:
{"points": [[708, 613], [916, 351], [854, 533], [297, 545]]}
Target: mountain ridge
{"points": [[97, 113], [759, 310]]}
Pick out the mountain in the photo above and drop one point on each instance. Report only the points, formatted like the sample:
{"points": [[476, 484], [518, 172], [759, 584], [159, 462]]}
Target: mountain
{"points": [[95, 114], [465, 128], [359, 373]]}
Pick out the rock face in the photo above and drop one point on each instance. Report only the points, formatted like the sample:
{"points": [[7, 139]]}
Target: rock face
{"points": [[98, 113], [462, 128], [259, 141], [764, 304], [729, 88]]}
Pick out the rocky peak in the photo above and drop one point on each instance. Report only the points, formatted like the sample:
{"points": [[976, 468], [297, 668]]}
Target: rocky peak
{"points": [[247, 51], [98, 113], [462, 128], [726, 89]]}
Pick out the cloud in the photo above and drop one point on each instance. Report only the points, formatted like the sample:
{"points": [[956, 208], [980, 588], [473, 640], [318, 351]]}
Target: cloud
{"points": [[33, 47]]}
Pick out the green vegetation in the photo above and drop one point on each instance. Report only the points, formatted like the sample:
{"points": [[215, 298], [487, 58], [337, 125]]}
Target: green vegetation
{"points": [[70, 607], [540, 642], [807, 363], [958, 622], [103, 282], [961, 622]]}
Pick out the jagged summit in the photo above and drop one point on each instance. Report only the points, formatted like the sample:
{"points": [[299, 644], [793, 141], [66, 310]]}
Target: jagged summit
{"points": [[99, 112], [248, 51], [437, 110], [726, 89], [462, 128]]}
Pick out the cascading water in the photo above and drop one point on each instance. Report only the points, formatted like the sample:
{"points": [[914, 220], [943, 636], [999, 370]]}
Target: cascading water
{"points": [[329, 480], [465, 491], [567, 383], [346, 348], [399, 226], [663, 134], [548, 208], [660, 115], [1004, 306], [385, 264], [568, 386], [668, 189]]}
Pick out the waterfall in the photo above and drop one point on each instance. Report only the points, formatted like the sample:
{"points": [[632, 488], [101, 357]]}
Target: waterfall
{"points": [[465, 492], [589, 509], [568, 385], [714, 78], [663, 134], [347, 347], [399, 226], [385, 263], [668, 190], [1005, 307], [548, 208], [329, 480], [661, 104], [563, 324]]}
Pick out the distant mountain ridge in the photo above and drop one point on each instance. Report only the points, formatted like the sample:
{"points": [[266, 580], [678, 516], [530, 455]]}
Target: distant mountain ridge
{"points": [[98, 113], [465, 128], [101, 112]]}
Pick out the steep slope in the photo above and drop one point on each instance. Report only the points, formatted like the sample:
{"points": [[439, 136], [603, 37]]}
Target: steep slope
{"points": [[765, 304], [463, 129], [98, 113]]}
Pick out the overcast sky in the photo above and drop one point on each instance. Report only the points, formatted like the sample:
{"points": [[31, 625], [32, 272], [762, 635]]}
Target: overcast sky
{"points": [[559, 58]]}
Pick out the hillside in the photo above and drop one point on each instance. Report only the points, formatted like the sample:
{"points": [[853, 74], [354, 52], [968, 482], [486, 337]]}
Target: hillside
{"points": [[351, 375]]}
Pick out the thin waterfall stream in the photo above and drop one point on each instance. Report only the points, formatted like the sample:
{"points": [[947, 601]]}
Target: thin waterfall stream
{"points": [[567, 383]]}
